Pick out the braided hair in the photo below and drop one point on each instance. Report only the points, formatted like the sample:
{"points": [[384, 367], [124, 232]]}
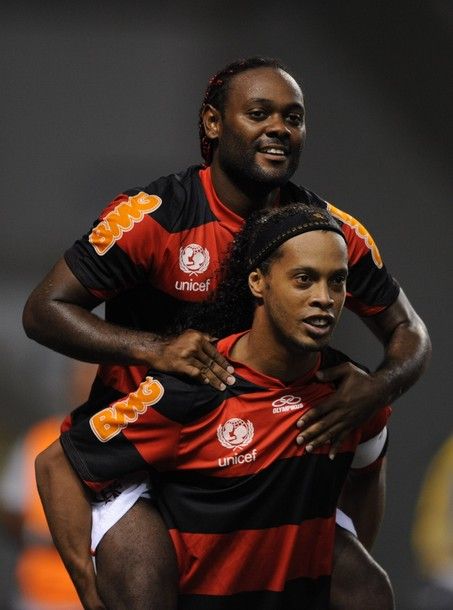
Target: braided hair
{"points": [[217, 90], [231, 308]]}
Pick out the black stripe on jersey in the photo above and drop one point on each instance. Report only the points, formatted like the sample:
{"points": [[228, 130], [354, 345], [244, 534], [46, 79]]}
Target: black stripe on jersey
{"points": [[94, 459], [84, 266], [299, 594], [366, 283], [262, 500], [189, 401], [184, 203], [292, 193], [100, 396], [146, 308]]}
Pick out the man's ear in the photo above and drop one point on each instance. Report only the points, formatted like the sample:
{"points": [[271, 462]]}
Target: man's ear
{"points": [[211, 121], [257, 283]]}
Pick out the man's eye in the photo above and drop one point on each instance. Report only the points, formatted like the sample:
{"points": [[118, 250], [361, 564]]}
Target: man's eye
{"points": [[257, 114], [338, 280], [295, 118], [303, 278]]}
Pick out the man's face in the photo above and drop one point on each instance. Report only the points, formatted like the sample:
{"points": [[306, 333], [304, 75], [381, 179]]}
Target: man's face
{"points": [[262, 129], [304, 290]]}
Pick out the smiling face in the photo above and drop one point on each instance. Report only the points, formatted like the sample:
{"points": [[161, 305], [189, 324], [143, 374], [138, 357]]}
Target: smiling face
{"points": [[261, 131], [302, 293]]}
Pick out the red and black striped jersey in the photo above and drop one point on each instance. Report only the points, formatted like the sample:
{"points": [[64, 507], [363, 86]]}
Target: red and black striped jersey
{"points": [[250, 513], [156, 250]]}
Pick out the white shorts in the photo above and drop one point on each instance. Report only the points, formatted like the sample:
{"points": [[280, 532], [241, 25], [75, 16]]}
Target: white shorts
{"points": [[106, 513]]}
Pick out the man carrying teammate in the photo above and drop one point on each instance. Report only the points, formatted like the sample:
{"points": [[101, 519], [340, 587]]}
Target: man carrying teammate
{"points": [[250, 512], [156, 250]]}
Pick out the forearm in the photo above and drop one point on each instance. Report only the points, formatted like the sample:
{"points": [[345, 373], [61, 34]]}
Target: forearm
{"points": [[58, 314], [407, 349], [75, 332], [68, 513], [363, 500]]}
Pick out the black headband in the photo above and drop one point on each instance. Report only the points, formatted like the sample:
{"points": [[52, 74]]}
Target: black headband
{"points": [[273, 232]]}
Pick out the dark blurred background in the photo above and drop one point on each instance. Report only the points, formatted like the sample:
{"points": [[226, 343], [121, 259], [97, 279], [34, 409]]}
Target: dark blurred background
{"points": [[101, 96]]}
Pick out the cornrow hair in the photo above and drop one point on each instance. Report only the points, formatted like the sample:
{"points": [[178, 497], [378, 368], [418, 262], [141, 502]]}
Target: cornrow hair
{"points": [[217, 90]]}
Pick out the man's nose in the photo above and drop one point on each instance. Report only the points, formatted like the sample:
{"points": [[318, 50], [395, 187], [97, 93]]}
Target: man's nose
{"points": [[277, 125]]}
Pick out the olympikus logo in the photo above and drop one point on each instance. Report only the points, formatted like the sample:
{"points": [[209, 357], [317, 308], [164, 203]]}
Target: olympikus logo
{"points": [[121, 219], [110, 421], [360, 230], [287, 403]]}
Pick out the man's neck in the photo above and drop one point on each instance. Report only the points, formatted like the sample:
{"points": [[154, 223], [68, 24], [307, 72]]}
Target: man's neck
{"points": [[242, 199], [261, 352]]}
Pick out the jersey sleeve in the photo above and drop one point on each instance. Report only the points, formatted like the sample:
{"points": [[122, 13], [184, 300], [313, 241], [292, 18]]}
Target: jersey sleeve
{"points": [[373, 442], [119, 251], [370, 287], [130, 435]]}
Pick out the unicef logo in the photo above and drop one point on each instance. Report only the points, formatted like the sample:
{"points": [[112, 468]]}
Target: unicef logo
{"points": [[235, 433], [193, 259]]}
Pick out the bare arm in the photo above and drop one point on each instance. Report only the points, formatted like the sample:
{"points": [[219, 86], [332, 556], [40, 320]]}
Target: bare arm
{"points": [[58, 314], [363, 499], [407, 350], [68, 513]]}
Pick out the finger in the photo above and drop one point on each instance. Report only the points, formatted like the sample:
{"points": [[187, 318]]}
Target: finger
{"points": [[218, 358], [321, 433], [208, 376], [220, 370], [317, 413], [202, 374], [336, 444]]}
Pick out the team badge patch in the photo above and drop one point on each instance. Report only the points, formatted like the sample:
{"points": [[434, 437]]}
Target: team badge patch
{"points": [[193, 259], [235, 433]]}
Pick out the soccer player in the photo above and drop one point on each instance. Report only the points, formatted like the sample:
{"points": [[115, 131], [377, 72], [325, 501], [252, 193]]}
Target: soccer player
{"points": [[156, 250], [250, 512]]}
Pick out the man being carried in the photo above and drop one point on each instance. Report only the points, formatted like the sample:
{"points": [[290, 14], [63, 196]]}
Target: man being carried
{"points": [[251, 512]]}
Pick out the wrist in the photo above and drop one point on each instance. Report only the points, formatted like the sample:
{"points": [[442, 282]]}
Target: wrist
{"points": [[388, 386]]}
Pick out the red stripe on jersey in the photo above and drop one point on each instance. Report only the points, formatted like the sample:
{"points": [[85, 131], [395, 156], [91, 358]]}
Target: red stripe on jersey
{"points": [[155, 440], [219, 564], [123, 378], [143, 244], [225, 215]]}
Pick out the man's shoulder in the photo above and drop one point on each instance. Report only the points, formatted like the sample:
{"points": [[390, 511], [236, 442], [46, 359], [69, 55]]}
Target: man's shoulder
{"points": [[296, 193], [183, 203], [185, 400], [333, 357]]}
